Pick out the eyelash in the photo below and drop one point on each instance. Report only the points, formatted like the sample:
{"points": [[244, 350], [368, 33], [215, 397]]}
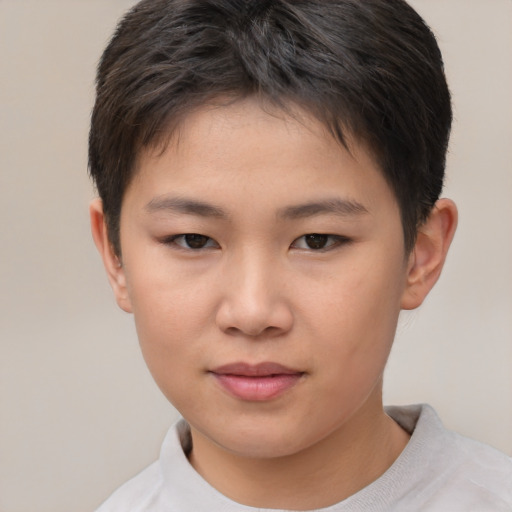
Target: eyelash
{"points": [[335, 241], [174, 240], [331, 242]]}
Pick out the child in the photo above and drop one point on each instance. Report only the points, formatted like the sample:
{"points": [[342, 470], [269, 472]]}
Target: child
{"points": [[269, 174]]}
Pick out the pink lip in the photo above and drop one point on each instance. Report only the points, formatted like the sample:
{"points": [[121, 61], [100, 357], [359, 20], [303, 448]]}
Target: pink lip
{"points": [[257, 383]]}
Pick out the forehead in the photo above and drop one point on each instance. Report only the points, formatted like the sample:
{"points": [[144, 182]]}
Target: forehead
{"points": [[250, 147]]}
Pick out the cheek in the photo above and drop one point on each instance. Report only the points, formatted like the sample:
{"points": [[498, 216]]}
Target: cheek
{"points": [[166, 335], [170, 315], [166, 297], [357, 312]]}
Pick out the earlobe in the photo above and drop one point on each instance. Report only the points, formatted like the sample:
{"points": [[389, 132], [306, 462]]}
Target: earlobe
{"points": [[429, 253], [111, 262]]}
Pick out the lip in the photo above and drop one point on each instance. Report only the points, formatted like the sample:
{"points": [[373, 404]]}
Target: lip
{"points": [[256, 383]]}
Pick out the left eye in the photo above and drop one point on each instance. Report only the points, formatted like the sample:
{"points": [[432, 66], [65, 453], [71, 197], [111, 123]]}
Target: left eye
{"points": [[318, 241]]}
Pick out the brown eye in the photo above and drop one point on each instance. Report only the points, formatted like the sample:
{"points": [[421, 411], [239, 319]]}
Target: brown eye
{"points": [[194, 241], [191, 241], [319, 242], [316, 241]]}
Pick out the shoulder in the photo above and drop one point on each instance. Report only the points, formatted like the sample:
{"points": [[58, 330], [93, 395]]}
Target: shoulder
{"points": [[452, 472], [149, 490], [479, 471], [171, 483], [137, 494]]}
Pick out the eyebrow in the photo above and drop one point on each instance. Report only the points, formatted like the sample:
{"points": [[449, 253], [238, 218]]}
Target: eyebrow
{"points": [[336, 206], [184, 205], [180, 205]]}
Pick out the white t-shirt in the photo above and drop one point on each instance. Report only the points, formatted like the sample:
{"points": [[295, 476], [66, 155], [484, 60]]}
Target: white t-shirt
{"points": [[438, 470]]}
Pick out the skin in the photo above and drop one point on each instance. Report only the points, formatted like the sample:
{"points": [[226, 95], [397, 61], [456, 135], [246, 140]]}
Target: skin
{"points": [[257, 292]]}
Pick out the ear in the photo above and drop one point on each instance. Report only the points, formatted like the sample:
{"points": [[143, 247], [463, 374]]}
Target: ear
{"points": [[113, 264], [429, 253]]}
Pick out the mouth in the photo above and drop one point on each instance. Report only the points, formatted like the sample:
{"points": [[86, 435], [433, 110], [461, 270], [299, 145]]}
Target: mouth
{"points": [[256, 383]]}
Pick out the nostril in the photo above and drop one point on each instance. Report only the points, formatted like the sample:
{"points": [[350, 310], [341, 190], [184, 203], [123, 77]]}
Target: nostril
{"points": [[255, 332], [256, 323]]}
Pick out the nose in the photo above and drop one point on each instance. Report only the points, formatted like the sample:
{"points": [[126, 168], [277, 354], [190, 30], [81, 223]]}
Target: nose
{"points": [[254, 301]]}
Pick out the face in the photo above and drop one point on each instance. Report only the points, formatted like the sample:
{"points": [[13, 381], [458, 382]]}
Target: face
{"points": [[265, 268]]}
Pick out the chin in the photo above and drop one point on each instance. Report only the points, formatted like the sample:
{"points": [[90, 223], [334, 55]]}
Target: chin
{"points": [[265, 442]]}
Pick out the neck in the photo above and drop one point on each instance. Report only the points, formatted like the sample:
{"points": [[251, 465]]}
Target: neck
{"points": [[326, 473]]}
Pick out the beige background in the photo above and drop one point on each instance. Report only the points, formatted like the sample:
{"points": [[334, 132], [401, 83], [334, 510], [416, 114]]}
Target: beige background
{"points": [[79, 413]]}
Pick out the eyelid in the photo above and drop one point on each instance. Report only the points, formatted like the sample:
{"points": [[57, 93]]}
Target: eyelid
{"points": [[333, 241], [172, 241], [336, 241]]}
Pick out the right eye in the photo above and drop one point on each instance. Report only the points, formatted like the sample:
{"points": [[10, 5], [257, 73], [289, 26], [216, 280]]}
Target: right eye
{"points": [[192, 241]]}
